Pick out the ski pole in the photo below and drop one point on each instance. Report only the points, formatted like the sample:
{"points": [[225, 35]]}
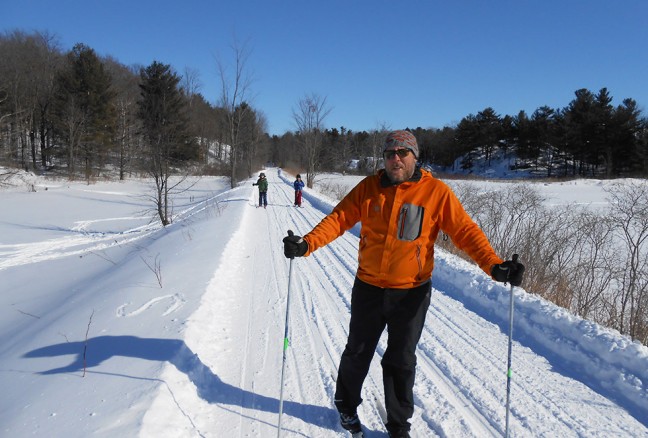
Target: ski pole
{"points": [[286, 342], [510, 347]]}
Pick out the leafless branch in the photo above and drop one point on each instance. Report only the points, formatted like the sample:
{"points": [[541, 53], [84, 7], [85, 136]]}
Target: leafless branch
{"points": [[85, 344], [155, 268]]}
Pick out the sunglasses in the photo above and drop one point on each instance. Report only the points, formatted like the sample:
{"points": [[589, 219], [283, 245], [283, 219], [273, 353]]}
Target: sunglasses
{"points": [[402, 153]]}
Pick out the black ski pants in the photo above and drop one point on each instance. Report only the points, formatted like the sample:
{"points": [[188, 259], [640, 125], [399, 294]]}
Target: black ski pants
{"points": [[402, 311]]}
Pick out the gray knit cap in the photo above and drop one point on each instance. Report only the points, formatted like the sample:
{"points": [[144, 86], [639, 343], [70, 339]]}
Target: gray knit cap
{"points": [[401, 139]]}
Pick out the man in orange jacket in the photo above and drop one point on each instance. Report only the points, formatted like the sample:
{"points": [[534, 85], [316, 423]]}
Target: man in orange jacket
{"points": [[401, 209]]}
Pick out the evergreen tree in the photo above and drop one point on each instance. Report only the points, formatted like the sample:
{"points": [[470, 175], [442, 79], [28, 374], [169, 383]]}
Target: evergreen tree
{"points": [[523, 134], [467, 140], [162, 113], [623, 135], [84, 117], [543, 122], [445, 147], [602, 150], [490, 132], [579, 124]]}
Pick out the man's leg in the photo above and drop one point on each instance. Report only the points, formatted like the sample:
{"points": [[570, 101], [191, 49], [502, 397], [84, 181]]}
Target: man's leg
{"points": [[405, 311], [366, 326]]}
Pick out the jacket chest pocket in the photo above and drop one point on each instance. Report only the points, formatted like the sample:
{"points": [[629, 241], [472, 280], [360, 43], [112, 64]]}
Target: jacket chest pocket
{"points": [[410, 222]]}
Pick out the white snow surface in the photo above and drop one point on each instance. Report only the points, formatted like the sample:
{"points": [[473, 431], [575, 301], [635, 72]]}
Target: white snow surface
{"points": [[113, 326]]}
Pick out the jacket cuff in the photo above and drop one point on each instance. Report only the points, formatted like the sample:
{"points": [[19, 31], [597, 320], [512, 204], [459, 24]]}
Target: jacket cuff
{"points": [[308, 251]]}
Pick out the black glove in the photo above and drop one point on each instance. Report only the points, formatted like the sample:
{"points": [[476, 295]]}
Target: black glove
{"points": [[254, 184], [294, 246], [511, 271]]}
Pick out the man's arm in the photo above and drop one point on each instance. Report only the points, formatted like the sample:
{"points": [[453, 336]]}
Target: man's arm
{"points": [[343, 217], [466, 234]]}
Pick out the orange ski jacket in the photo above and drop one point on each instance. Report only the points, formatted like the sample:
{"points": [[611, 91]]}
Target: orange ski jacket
{"points": [[399, 225]]}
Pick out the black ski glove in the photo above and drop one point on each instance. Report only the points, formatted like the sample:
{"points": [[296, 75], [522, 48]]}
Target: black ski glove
{"points": [[511, 271], [294, 246], [254, 184]]}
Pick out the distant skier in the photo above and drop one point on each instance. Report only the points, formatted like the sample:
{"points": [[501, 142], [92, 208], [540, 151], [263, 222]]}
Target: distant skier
{"points": [[262, 182], [298, 185], [401, 210]]}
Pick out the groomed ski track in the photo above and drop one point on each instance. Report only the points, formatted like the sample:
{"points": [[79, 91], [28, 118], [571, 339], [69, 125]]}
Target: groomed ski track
{"points": [[228, 383]]}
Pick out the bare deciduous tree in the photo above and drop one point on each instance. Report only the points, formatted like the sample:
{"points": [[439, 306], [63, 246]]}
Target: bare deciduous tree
{"points": [[377, 138], [235, 89], [629, 204], [595, 266], [190, 83], [309, 117], [126, 141], [26, 77], [254, 141], [594, 263]]}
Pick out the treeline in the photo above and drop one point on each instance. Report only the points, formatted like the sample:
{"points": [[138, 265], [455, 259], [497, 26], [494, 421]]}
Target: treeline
{"points": [[588, 138], [82, 115]]}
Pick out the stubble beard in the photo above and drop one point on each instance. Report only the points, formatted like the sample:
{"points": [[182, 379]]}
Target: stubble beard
{"points": [[399, 174]]}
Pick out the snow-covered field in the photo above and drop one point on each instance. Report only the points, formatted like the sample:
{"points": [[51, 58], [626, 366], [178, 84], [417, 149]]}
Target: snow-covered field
{"points": [[179, 330]]}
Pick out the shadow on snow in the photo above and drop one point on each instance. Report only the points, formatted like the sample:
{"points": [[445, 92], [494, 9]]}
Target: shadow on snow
{"points": [[209, 386]]}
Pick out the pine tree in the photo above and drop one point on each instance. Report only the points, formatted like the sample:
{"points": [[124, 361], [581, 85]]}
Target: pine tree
{"points": [[84, 117], [165, 126]]}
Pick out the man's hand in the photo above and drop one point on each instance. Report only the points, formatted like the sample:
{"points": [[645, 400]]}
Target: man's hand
{"points": [[294, 246], [511, 271]]}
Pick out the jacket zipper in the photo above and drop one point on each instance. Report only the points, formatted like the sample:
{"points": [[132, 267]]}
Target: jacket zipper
{"points": [[418, 258], [402, 227]]}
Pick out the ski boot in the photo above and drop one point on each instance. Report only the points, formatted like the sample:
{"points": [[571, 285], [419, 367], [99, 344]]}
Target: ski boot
{"points": [[352, 424]]}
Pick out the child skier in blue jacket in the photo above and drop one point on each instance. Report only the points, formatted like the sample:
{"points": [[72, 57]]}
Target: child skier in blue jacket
{"points": [[298, 185]]}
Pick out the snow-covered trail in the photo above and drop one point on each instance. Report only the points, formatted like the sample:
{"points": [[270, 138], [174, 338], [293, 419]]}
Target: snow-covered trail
{"points": [[226, 380]]}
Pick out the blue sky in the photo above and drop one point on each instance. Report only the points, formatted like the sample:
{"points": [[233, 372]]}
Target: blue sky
{"points": [[397, 63]]}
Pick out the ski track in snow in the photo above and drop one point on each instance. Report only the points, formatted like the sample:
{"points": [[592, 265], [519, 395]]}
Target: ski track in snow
{"points": [[176, 301], [85, 241], [224, 380], [454, 393]]}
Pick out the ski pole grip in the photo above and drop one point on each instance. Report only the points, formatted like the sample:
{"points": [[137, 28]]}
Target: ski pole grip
{"points": [[290, 234], [514, 258]]}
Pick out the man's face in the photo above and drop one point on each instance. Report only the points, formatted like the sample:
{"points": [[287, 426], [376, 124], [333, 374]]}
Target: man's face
{"points": [[399, 164]]}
